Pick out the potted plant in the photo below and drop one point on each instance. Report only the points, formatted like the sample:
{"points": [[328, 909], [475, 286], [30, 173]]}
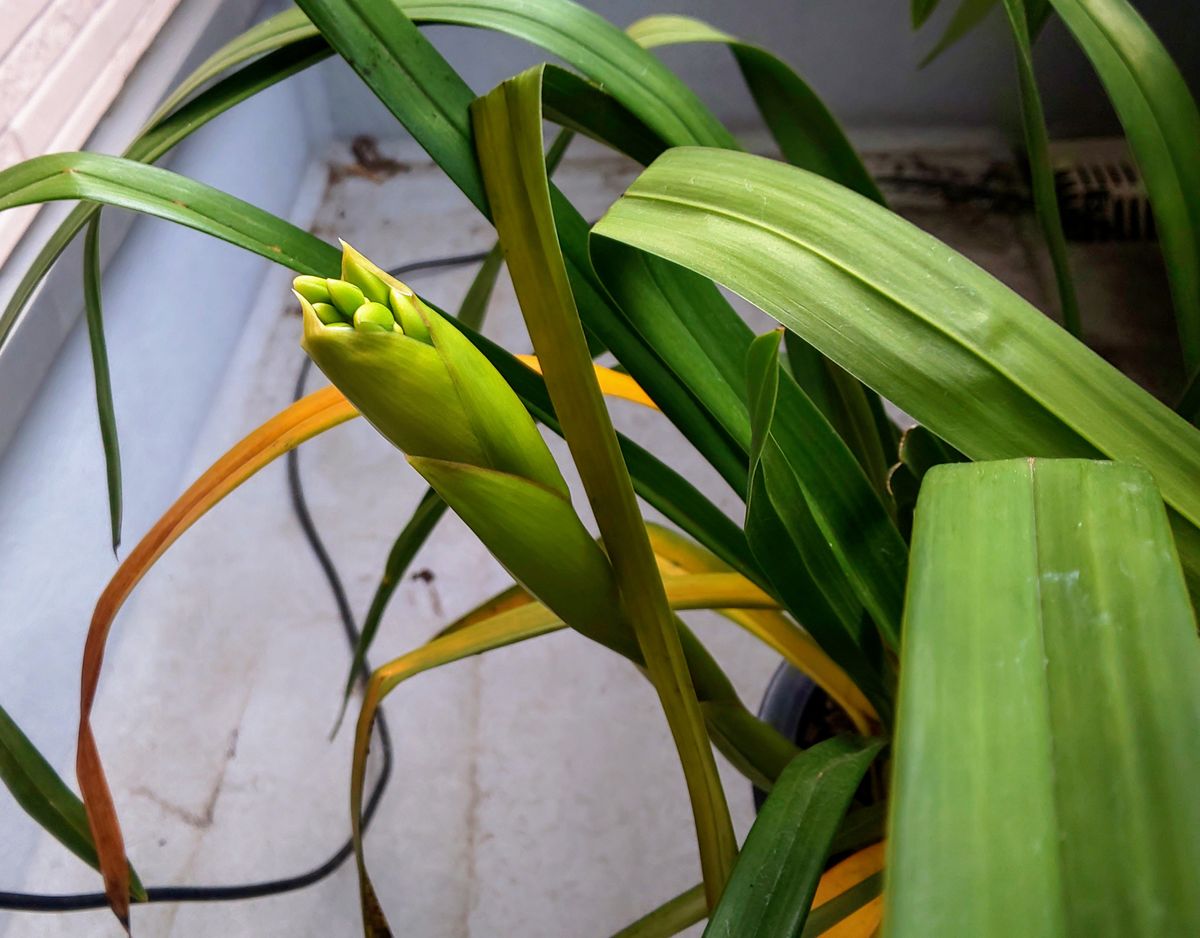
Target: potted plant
{"points": [[1016, 653]]}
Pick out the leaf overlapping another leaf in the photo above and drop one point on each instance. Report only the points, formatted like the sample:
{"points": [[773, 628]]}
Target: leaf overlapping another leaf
{"points": [[908, 316]]}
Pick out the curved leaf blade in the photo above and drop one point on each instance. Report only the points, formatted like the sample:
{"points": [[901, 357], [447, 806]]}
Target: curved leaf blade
{"points": [[776, 875], [163, 194], [508, 131], [1162, 124], [598, 50], [1037, 146], [105, 411], [906, 315], [807, 133]]}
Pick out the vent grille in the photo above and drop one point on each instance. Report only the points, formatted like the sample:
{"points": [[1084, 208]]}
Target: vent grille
{"points": [[1100, 191]]}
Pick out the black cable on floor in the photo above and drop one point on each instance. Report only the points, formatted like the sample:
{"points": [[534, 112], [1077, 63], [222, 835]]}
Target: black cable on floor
{"points": [[76, 902]]}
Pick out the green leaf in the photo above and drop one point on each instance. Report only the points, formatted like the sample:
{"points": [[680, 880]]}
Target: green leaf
{"points": [[105, 411], [776, 875], [1162, 124], [807, 133], [920, 11], [705, 344], [854, 411], [671, 917], [793, 548], [907, 316], [1049, 710], [276, 32], [158, 192], [1037, 147], [508, 131], [44, 796], [828, 914], [809, 137], [598, 50], [968, 15], [411, 539], [575, 103]]}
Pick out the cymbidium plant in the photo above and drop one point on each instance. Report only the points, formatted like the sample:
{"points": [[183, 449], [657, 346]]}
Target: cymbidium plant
{"points": [[1000, 599]]}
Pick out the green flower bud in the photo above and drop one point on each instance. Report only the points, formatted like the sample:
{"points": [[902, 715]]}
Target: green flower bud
{"points": [[538, 538], [407, 308], [312, 289], [373, 317], [345, 296], [353, 271], [327, 313], [434, 395], [439, 398], [344, 326]]}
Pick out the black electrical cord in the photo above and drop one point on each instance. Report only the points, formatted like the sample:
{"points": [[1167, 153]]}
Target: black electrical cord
{"points": [[75, 902]]}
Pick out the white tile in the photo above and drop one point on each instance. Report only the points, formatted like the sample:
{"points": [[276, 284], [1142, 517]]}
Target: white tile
{"points": [[79, 83], [18, 14]]}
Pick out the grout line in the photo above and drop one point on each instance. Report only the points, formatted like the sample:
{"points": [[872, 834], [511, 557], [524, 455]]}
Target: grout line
{"points": [[474, 796]]}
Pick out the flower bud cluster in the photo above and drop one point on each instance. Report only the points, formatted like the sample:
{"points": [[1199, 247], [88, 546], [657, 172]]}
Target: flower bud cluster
{"points": [[363, 302]]}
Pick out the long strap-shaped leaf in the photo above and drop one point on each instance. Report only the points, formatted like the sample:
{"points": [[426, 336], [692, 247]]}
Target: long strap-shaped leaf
{"points": [[314, 414], [130, 184], [810, 137], [45, 797], [908, 316], [508, 130], [1037, 147], [94, 314], [807, 133], [784, 855], [599, 50], [809, 567], [1162, 124], [1049, 710]]}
